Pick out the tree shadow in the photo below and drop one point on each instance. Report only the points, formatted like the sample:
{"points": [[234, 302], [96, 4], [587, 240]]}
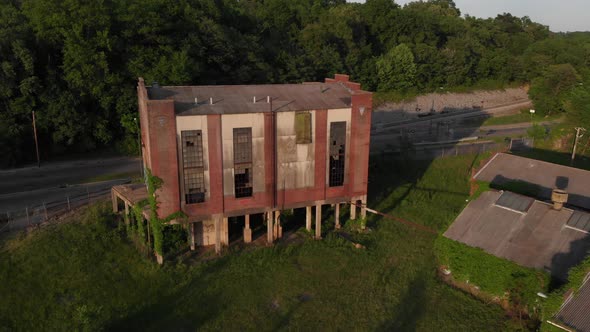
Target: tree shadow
{"points": [[561, 263], [411, 308]]}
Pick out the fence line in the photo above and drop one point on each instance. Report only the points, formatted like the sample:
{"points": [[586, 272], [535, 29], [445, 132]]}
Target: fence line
{"points": [[33, 215]]}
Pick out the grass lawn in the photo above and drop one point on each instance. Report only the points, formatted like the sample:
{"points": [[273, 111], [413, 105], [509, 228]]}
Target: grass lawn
{"points": [[86, 274]]}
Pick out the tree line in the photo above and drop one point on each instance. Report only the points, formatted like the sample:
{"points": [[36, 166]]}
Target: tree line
{"points": [[75, 63]]}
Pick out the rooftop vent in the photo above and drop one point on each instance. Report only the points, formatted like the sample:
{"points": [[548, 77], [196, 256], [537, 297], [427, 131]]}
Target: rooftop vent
{"points": [[196, 101], [558, 197]]}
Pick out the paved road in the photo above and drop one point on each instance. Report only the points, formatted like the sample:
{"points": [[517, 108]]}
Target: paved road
{"points": [[62, 174], [53, 183]]}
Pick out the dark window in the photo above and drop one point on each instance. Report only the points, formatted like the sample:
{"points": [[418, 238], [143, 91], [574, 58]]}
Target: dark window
{"points": [[243, 162], [303, 127], [193, 166], [337, 153]]}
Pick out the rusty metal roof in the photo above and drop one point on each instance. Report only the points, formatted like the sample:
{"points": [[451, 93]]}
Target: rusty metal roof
{"points": [[232, 99], [537, 238], [575, 313]]}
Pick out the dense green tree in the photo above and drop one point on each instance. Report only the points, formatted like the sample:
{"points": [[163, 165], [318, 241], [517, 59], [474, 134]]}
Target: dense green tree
{"points": [[396, 69], [75, 63]]}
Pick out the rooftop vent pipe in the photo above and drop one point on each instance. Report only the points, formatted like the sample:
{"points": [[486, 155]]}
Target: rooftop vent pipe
{"points": [[268, 99], [196, 101], [254, 100], [211, 100], [558, 197]]}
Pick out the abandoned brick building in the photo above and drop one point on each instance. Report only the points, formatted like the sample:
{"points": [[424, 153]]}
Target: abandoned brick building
{"points": [[239, 150]]}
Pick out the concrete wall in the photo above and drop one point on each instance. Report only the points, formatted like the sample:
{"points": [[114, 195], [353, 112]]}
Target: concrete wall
{"points": [[296, 162], [228, 123]]}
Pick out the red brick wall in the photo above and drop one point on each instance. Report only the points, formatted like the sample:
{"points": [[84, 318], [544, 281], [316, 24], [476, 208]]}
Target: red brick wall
{"points": [[360, 140], [164, 160]]}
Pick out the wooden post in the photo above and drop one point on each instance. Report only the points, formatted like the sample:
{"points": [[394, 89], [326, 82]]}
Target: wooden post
{"points": [[353, 209], [192, 233], [217, 223]]}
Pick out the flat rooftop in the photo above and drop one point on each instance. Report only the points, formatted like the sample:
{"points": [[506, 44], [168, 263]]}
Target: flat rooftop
{"points": [[526, 231], [234, 99], [507, 167]]}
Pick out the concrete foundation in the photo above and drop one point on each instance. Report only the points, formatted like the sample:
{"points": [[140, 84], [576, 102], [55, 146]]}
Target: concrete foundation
{"points": [[247, 230], [353, 210], [318, 221], [269, 227], [308, 218], [337, 215]]}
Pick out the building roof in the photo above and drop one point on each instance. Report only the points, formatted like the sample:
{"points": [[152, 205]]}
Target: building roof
{"points": [[232, 99], [507, 167], [534, 235], [575, 313]]}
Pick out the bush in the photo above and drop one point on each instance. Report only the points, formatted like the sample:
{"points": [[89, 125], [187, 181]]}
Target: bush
{"points": [[493, 275]]}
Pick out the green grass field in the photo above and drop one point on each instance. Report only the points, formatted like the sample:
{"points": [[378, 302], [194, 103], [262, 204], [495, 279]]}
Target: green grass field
{"points": [[86, 275]]}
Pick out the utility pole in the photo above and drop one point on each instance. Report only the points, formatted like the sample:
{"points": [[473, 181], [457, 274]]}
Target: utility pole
{"points": [[579, 133], [36, 142]]}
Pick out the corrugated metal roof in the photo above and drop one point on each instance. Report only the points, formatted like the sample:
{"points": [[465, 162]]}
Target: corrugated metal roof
{"points": [[536, 239], [231, 99], [576, 313], [507, 167], [514, 201], [580, 220]]}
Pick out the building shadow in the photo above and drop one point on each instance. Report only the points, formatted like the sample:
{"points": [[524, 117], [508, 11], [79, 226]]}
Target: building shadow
{"points": [[562, 263]]}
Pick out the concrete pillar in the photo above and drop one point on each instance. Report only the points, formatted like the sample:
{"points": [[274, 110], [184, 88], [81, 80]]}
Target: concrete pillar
{"points": [[337, 215], [225, 232], [353, 209], [364, 207], [278, 228], [247, 230], [126, 217], [217, 225], [114, 201], [308, 218], [191, 230], [318, 221], [269, 227]]}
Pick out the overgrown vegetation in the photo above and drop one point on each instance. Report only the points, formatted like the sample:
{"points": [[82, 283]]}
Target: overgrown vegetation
{"points": [[100, 281], [76, 63], [496, 276]]}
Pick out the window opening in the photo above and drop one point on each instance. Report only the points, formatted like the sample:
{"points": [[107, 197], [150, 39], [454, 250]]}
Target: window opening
{"points": [[193, 166], [243, 162], [303, 127], [337, 153]]}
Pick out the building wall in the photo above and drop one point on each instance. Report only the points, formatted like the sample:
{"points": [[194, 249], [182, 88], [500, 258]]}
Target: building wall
{"points": [[302, 180], [295, 162]]}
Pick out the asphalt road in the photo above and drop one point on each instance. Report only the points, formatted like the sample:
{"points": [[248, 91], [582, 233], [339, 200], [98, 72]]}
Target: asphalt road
{"points": [[55, 182]]}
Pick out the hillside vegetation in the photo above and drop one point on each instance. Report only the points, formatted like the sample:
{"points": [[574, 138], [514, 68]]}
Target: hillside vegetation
{"points": [[76, 62]]}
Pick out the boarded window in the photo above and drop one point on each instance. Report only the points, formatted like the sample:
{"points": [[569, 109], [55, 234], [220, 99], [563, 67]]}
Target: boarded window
{"points": [[243, 162], [193, 166], [303, 127], [337, 153]]}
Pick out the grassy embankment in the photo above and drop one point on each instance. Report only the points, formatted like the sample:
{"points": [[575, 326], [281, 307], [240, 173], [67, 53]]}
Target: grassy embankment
{"points": [[87, 275]]}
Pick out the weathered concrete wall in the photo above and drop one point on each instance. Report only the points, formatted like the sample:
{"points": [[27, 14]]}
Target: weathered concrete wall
{"points": [[194, 122], [228, 123], [295, 161]]}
